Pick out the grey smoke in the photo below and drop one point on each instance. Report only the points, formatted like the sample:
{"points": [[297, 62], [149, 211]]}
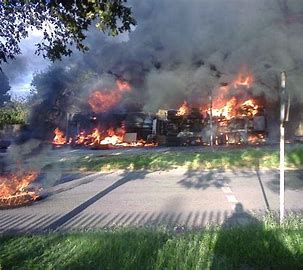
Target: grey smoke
{"points": [[183, 49]]}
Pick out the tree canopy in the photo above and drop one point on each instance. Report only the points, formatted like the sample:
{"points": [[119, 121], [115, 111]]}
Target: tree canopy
{"points": [[63, 24]]}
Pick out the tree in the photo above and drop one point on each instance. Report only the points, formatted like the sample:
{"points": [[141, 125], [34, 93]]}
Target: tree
{"points": [[63, 24], [4, 88]]}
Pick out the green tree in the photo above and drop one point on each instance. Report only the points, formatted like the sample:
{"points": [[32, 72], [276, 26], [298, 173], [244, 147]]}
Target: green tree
{"points": [[4, 88], [63, 24]]}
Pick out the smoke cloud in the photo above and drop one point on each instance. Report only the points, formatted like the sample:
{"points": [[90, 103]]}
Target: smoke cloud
{"points": [[184, 50]]}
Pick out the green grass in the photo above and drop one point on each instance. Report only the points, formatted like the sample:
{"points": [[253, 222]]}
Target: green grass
{"points": [[263, 246], [201, 159]]}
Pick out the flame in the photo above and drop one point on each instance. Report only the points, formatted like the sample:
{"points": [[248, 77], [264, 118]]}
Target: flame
{"points": [[250, 107], [243, 80], [115, 137], [95, 136], [256, 138], [59, 137], [184, 109], [235, 106], [226, 110], [102, 101], [80, 138], [14, 188]]}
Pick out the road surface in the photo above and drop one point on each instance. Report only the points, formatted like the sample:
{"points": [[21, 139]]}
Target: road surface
{"points": [[178, 197]]}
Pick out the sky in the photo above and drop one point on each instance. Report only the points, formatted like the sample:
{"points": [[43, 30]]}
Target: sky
{"points": [[20, 71]]}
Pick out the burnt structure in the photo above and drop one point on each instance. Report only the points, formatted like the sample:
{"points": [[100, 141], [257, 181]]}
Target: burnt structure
{"points": [[194, 128], [139, 124]]}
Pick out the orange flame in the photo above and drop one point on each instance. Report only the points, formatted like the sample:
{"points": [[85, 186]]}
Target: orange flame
{"points": [[81, 137], [14, 188], [59, 137], [103, 101], [113, 137], [250, 108], [225, 106], [184, 109], [95, 136], [243, 80]]}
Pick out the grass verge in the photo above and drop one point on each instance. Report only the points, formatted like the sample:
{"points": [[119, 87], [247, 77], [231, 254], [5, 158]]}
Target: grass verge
{"points": [[263, 246], [201, 159]]}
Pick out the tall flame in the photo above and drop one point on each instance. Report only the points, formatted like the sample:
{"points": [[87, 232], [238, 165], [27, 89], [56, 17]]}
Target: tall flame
{"points": [[102, 101]]}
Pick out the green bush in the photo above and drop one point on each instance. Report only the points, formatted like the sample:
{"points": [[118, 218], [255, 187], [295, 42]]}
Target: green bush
{"points": [[15, 113]]}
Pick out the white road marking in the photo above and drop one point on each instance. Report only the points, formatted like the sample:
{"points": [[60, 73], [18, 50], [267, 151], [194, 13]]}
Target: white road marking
{"points": [[231, 198], [226, 190]]}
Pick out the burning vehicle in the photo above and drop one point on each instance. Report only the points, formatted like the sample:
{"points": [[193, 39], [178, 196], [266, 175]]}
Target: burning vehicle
{"points": [[232, 117], [235, 119]]}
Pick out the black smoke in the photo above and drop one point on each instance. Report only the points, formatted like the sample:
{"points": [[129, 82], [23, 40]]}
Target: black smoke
{"points": [[182, 50]]}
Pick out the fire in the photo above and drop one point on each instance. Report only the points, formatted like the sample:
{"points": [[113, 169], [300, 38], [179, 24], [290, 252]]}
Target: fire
{"points": [[95, 137], [80, 138], [250, 108], [184, 109], [14, 188], [235, 108], [243, 80], [112, 136], [102, 101], [226, 110], [228, 106], [256, 138], [59, 138]]}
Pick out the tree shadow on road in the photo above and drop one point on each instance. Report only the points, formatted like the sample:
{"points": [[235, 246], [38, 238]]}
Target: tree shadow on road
{"points": [[293, 180], [126, 177], [204, 179]]}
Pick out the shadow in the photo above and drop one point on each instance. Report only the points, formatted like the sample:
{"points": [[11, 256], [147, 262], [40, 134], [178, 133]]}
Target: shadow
{"points": [[293, 180], [204, 179], [243, 242], [261, 186], [75, 182], [126, 178], [193, 220]]}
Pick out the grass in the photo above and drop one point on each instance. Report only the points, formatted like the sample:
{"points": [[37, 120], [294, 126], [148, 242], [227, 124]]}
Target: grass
{"points": [[260, 246], [201, 159]]}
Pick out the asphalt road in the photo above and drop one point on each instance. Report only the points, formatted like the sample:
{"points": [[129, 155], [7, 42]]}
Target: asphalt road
{"points": [[177, 197]]}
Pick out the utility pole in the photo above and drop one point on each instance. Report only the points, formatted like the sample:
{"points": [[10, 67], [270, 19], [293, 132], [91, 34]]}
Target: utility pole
{"points": [[284, 113]]}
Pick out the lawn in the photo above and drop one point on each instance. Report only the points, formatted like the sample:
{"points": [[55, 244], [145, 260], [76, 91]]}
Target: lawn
{"points": [[261, 246], [203, 158]]}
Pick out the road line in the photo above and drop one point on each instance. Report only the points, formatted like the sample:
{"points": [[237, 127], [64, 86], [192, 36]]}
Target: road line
{"points": [[231, 198]]}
